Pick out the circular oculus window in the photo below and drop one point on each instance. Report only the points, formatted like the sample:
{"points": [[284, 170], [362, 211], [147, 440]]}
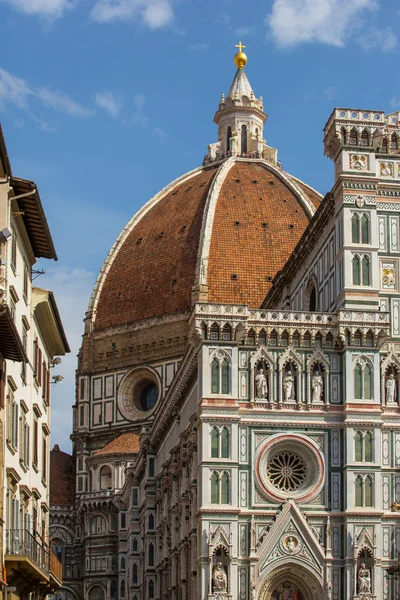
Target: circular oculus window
{"points": [[290, 466], [138, 393]]}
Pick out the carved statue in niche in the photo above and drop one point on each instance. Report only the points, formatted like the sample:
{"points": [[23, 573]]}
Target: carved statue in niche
{"points": [[364, 579], [317, 385], [288, 387], [391, 394], [220, 581], [261, 384]]}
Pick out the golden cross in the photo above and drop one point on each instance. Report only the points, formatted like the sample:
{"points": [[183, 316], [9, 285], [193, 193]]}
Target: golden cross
{"points": [[239, 45]]}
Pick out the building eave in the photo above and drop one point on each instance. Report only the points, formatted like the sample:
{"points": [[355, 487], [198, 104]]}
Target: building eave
{"points": [[49, 320], [34, 218]]}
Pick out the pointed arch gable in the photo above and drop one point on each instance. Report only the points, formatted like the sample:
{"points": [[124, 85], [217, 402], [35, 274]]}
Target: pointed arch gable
{"points": [[290, 355], [390, 359], [318, 357]]}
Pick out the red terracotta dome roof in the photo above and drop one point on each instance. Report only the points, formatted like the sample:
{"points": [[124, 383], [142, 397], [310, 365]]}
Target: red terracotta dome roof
{"points": [[225, 229]]}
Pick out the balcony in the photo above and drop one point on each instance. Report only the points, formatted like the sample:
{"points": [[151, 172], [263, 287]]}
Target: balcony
{"points": [[30, 563]]}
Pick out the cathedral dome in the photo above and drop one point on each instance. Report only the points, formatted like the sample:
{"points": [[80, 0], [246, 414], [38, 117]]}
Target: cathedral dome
{"points": [[219, 234]]}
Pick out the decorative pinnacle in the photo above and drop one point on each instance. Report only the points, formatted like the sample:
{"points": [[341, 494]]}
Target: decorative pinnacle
{"points": [[240, 59]]}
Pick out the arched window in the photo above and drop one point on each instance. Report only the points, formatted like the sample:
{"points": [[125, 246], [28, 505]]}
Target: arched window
{"points": [[367, 382], [262, 338], [97, 525], [384, 146], [364, 141], [224, 488], [134, 544], [358, 491], [313, 300], [355, 229], [353, 138], [96, 593], [243, 141], [368, 447], [228, 138], [214, 488], [273, 339], [113, 589], [214, 443], [251, 337], [364, 229], [358, 382], [344, 136], [225, 443], [225, 377], [150, 554], [368, 491], [227, 332], [356, 271], [134, 573], [123, 563], [359, 446], [151, 589], [122, 589], [215, 376], [151, 521], [105, 478], [365, 271], [394, 144], [214, 332]]}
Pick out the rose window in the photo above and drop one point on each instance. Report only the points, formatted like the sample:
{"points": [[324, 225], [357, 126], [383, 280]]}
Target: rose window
{"points": [[290, 466], [286, 471]]}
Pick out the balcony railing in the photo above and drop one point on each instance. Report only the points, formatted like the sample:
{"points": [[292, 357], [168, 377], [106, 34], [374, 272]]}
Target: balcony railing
{"points": [[20, 542]]}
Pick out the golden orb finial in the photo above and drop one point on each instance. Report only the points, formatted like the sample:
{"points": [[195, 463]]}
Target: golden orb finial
{"points": [[240, 59]]}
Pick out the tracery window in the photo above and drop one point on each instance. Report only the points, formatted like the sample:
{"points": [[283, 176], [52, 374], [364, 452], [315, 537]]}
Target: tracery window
{"points": [[220, 488], [394, 143], [360, 229], [151, 589], [364, 491], [227, 332], [98, 525], [363, 446], [384, 146], [122, 589], [220, 442], [361, 270], [362, 380], [220, 375]]}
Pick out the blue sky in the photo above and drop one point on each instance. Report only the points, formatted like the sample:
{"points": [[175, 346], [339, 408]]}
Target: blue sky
{"points": [[103, 102]]}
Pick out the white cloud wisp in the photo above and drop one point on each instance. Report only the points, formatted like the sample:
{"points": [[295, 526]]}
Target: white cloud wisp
{"points": [[293, 22], [17, 93], [156, 14]]}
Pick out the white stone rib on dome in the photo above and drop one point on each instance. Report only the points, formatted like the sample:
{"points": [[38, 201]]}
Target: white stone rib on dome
{"points": [[125, 233]]}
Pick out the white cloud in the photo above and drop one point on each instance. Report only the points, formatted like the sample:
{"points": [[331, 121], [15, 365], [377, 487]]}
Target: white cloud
{"points": [[292, 22], [109, 102], [160, 134], [153, 13], [72, 288], [330, 92], [17, 93], [49, 9], [379, 39], [244, 31], [199, 46]]}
